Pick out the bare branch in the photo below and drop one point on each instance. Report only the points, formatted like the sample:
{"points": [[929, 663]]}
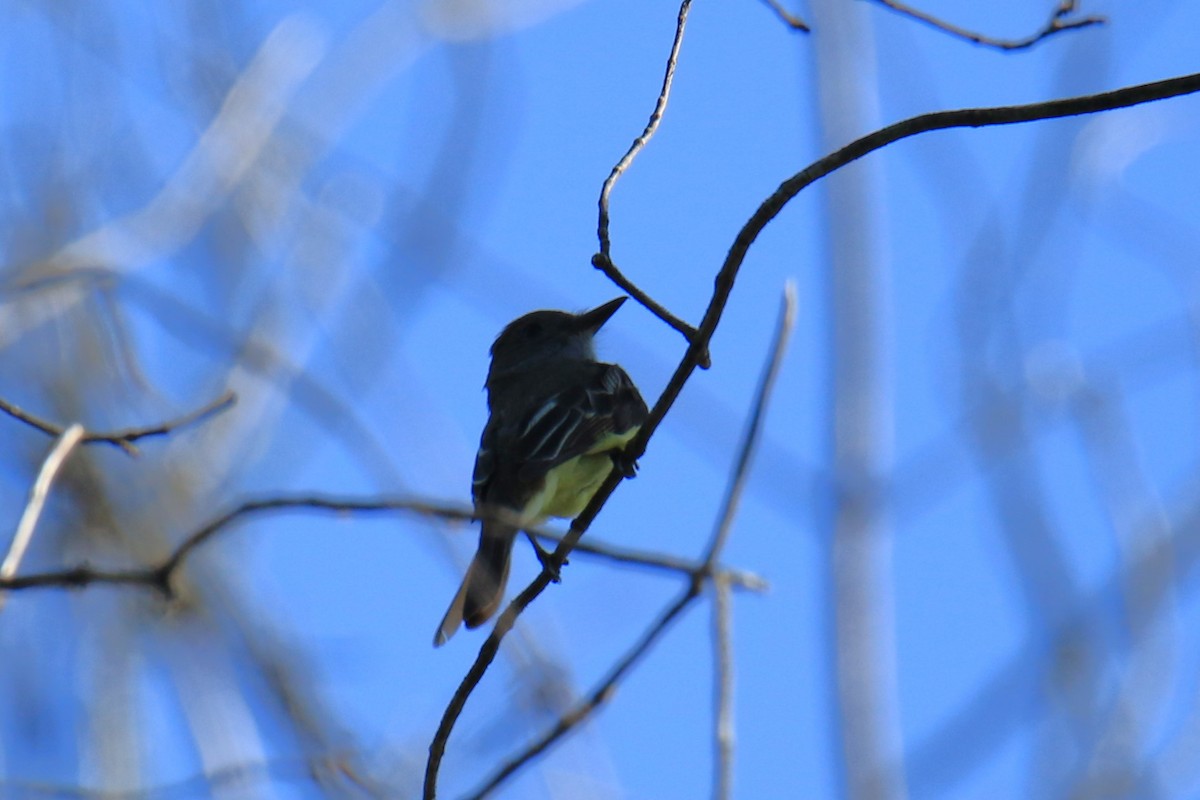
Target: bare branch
{"points": [[1057, 23], [737, 578], [1124, 97], [725, 279], [651, 126], [722, 612], [737, 485], [595, 698], [37, 501], [787, 17], [159, 576], [723, 729], [603, 260], [125, 439]]}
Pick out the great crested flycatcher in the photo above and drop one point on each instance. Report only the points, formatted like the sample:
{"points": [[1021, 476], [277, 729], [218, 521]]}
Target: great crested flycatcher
{"points": [[559, 420]]}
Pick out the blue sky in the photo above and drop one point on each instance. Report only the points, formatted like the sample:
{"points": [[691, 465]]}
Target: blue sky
{"points": [[415, 194]]}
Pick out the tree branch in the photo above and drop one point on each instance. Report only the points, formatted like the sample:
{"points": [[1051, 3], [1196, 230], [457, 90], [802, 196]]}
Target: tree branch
{"points": [[723, 287], [1056, 24], [125, 438], [595, 698], [722, 602], [741, 471], [787, 17], [603, 259], [737, 578], [159, 577], [37, 501], [723, 727]]}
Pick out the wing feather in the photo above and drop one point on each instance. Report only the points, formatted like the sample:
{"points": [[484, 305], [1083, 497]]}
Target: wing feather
{"points": [[575, 420], [567, 423]]}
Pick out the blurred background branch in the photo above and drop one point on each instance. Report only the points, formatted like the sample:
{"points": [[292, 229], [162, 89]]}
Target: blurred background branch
{"points": [[123, 439]]}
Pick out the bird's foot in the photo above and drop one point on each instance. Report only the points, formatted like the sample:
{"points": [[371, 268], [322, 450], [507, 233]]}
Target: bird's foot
{"points": [[546, 558], [626, 465]]}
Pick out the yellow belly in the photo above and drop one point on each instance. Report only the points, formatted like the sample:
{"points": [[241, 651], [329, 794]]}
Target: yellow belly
{"points": [[570, 486]]}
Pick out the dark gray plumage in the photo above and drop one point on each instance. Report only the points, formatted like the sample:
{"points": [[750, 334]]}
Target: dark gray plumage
{"points": [[558, 418]]}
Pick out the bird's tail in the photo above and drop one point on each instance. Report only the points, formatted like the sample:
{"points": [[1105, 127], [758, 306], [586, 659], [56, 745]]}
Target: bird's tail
{"points": [[483, 586]]}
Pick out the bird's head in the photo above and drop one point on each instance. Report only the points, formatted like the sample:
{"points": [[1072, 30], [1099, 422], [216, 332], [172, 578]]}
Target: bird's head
{"points": [[542, 336]]}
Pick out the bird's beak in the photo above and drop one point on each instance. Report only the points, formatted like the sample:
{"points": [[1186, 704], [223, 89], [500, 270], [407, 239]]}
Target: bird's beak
{"points": [[591, 321]]}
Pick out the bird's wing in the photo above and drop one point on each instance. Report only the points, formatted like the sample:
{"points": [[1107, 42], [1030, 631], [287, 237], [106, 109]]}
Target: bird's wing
{"points": [[578, 419], [485, 463]]}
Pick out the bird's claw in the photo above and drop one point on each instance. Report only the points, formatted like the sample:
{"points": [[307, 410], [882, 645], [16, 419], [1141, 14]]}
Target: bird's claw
{"points": [[626, 465], [546, 558]]}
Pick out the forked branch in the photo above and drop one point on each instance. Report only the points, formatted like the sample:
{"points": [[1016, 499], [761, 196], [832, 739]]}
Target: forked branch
{"points": [[723, 287]]}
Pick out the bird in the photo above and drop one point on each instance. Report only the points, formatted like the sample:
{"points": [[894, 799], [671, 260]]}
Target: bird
{"points": [[558, 422]]}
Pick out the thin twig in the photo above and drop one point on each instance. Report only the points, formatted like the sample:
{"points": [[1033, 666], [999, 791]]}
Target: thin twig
{"points": [[1056, 24], [37, 501], [723, 728], [594, 699], [159, 576], [723, 287], [787, 17], [722, 646], [741, 471], [603, 259], [660, 106], [124, 439], [736, 578], [602, 262]]}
